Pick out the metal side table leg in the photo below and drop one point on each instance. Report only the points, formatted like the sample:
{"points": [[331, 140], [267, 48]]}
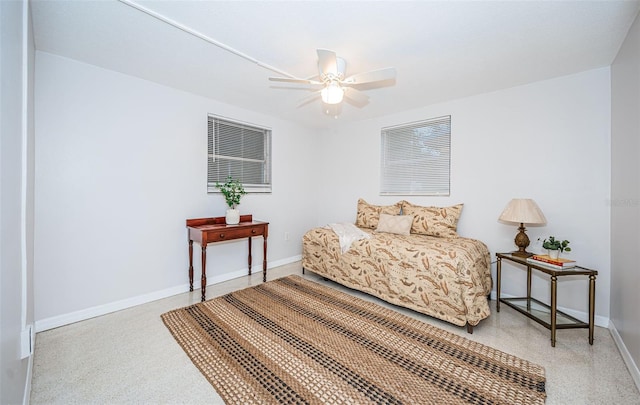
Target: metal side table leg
{"points": [[592, 306], [498, 276], [554, 303]]}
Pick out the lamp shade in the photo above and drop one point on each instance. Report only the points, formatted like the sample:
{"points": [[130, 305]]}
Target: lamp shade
{"points": [[524, 211], [332, 94]]}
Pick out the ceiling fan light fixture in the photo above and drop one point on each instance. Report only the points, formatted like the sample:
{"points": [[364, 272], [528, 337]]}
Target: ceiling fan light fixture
{"points": [[331, 76], [332, 93]]}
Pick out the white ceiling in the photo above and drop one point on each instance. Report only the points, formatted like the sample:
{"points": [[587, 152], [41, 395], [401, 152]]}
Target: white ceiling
{"points": [[442, 50]]}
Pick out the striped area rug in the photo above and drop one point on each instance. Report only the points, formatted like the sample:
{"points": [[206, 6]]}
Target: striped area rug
{"points": [[294, 341]]}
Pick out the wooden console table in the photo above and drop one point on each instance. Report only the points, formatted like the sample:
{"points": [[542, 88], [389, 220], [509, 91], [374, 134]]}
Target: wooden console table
{"points": [[210, 230]]}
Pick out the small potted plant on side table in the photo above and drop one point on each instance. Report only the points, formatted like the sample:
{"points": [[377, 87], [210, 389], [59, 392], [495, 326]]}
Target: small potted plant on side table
{"points": [[232, 191], [555, 247]]}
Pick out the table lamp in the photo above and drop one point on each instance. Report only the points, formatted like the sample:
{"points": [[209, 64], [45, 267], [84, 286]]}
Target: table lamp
{"points": [[522, 211]]}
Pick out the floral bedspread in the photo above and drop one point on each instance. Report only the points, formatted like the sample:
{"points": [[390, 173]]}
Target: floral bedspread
{"points": [[447, 278]]}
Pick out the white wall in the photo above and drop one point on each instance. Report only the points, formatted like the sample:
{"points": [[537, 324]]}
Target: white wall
{"points": [[625, 198], [548, 141], [120, 164], [16, 200]]}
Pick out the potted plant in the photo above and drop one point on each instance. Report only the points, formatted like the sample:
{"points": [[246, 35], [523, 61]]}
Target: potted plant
{"points": [[232, 191], [555, 247]]}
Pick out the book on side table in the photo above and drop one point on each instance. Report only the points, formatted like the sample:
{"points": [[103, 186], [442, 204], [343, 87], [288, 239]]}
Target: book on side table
{"points": [[559, 263]]}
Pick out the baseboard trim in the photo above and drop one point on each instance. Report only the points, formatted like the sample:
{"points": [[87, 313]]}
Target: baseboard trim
{"points": [[26, 396], [626, 356], [82, 315]]}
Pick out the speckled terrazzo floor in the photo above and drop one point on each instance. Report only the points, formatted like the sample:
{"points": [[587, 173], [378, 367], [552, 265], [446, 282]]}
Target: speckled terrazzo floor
{"points": [[130, 357]]}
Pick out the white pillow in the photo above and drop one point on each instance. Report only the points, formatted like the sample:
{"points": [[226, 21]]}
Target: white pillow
{"points": [[398, 224]]}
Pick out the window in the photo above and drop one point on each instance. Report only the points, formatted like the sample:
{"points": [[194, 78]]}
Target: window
{"points": [[415, 158], [241, 151]]}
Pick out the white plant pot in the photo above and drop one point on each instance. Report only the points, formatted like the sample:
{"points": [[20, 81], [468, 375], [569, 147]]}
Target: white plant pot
{"points": [[554, 254], [233, 217]]}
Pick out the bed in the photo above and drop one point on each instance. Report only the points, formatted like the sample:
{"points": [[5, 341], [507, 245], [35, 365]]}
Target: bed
{"points": [[407, 255]]}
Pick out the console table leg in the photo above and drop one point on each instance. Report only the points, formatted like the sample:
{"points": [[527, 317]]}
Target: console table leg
{"points": [[554, 303], [203, 279], [249, 255], [264, 260], [190, 265], [592, 306]]}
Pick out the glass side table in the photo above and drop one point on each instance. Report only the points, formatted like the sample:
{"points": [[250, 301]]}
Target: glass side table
{"points": [[548, 315]]}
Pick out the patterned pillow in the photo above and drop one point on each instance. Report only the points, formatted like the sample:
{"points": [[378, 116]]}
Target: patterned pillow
{"points": [[368, 215], [400, 224], [434, 221]]}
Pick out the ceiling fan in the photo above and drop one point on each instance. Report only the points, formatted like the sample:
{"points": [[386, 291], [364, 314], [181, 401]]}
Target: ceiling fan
{"points": [[334, 85]]}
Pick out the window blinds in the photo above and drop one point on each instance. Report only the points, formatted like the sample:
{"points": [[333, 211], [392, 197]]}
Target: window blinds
{"points": [[238, 150], [415, 158]]}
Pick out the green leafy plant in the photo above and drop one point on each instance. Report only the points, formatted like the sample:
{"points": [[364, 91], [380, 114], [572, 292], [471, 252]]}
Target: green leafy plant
{"points": [[232, 191], [553, 244]]}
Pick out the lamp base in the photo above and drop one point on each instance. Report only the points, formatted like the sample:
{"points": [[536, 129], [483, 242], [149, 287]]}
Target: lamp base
{"points": [[522, 241], [518, 253]]}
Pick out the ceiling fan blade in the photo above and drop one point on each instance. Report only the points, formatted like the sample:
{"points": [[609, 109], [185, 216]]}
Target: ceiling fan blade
{"points": [[358, 97], [308, 99], [371, 76], [292, 80], [315, 78], [327, 62]]}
